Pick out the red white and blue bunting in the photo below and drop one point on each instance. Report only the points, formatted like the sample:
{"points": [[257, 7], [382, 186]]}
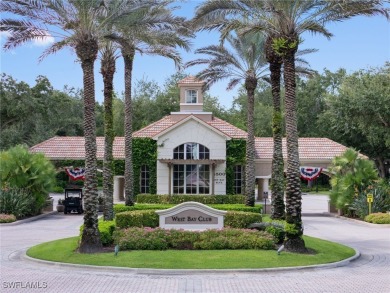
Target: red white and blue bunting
{"points": [[310, 173], [75, 173]]}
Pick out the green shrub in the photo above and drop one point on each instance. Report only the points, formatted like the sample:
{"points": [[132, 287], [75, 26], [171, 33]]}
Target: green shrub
{"points": [[378, 218], [276, 229], [381, 200], [119, 208], [106, 229], [179, 198], [234, 239], [18, 202], [241, 219], [21, 169], [160, 239], [5, 218], [147, 218], [351, 174], [57, 189]]}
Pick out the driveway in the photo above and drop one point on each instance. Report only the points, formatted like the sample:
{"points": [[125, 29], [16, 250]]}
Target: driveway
{"points": [[369, 273]]}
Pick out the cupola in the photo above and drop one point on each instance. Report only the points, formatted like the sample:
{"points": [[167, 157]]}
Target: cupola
{"points": [[191, 94]]}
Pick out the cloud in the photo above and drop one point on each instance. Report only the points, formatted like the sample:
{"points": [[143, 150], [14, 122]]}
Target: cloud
{"points": [[44, 41]]}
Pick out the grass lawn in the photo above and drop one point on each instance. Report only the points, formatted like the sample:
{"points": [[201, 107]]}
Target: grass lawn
{"points": [[63, 251]]}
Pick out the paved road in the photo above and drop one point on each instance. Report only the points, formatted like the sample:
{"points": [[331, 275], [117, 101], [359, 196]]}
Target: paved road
{"points": [[370, 273]]}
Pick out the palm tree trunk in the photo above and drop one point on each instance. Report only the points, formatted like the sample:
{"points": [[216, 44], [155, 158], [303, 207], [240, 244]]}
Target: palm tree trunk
{"points": [[128, 57], [108, 70], [294, 228], [250, 86], [277, 184], [90, 238]]}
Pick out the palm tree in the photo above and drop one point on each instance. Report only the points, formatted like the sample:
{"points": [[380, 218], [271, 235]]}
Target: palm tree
{"points": [[284, 22], [80, 29], [153, 30], [277, 179], [246, 63], [107, 69]]}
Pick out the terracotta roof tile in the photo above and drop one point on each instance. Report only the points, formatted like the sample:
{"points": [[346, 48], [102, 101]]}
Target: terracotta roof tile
{"points": [[191, 79], [166, 122], [309, 148], [72, 147], [227, 128], [155, 128]]}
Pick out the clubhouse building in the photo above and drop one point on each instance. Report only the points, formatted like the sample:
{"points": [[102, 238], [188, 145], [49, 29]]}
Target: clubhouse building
{"points": [[192, 152]]}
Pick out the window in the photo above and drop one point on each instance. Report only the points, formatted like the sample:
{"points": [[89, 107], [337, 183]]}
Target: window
{"points": [[144, 178], [238, 179], [191, 151], [191, 96], [191, 179]]}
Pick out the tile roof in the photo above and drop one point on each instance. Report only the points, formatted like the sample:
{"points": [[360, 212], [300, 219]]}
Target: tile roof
{"points": [[310, 148], [166, 122], [71, 147], [191, 79]]}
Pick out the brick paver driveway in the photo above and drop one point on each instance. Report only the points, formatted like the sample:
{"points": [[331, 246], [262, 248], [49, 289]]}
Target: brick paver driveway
{"points": [[370, 273]]}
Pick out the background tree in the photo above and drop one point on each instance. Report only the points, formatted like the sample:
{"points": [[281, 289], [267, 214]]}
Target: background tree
{"points": [[358, 115]]}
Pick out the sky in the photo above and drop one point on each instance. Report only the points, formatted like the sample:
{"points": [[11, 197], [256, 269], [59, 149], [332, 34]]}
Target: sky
{"points": [[359, 43]]}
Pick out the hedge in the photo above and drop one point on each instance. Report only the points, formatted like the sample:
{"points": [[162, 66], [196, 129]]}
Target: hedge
{"points": [[180, 198], [119, 208], [161, 239], [378, 218], [106, 229], [149, 218]]}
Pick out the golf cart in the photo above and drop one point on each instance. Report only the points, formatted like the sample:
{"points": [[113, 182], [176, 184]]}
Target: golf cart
{"points": [[73, 201]]}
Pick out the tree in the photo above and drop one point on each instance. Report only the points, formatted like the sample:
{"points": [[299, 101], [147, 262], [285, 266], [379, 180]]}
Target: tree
{"points": [[283, 22], [107, 69], [357, 113], [352, 174], [151, 29], [80, 29], [246, 63]]}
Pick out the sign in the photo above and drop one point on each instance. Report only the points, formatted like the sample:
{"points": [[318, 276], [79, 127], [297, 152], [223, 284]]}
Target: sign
{"points": [[191, 216], [370, 197]]}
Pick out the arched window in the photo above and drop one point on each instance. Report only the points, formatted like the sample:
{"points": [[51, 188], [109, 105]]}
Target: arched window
{"points": [[191, 151], [191, 178]]}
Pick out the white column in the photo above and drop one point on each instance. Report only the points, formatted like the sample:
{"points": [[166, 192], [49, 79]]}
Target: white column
{"points": [[119, 188]]}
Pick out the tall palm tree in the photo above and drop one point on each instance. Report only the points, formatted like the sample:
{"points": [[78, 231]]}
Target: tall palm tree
{"points": [[245, 63], [76, 25], [284, 22], [107, 69], [277, 174], [153, 30]]}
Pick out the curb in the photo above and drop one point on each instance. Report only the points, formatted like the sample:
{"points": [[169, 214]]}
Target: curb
{"points": [[31, 219], [143, 271], [363, 223]]}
